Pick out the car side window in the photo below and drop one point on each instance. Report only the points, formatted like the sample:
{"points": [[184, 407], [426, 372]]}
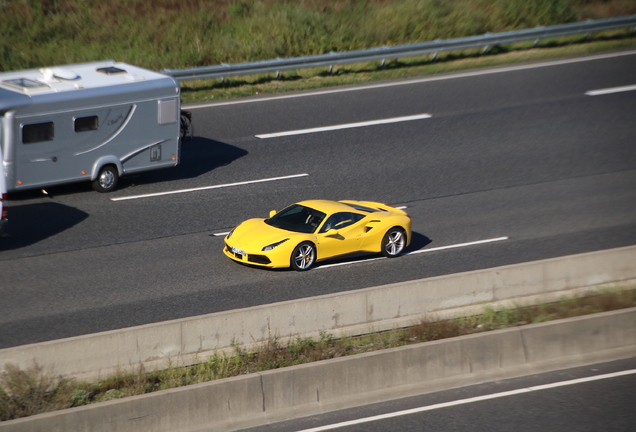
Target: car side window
{"points": [[340, 220]]}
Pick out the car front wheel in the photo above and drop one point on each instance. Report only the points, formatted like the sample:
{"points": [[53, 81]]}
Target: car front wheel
{"points": [[303, 256], [393, 242]]}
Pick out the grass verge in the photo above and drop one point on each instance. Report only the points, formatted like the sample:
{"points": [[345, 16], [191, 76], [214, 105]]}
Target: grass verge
{"points": [[360, 73], [29, 392], [188, 33]]}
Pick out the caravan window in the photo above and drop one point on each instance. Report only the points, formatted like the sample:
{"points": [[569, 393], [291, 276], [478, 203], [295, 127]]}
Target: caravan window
{"points": [[168, 113], [83, 124], [24, 83], [37, 132]]}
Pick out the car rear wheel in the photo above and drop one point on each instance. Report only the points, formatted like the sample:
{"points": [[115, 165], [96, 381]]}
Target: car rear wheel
{"points": [[303, 256], [393, 242]]}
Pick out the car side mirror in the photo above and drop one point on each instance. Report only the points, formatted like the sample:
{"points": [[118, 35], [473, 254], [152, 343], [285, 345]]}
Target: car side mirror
{"points": [[272, 213]]}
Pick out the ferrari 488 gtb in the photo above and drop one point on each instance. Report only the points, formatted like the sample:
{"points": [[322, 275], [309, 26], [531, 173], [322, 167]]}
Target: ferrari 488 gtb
{"points": [[310, 231]]}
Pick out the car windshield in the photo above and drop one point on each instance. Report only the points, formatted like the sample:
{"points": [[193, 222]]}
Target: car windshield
{"points": [[297, 218]]}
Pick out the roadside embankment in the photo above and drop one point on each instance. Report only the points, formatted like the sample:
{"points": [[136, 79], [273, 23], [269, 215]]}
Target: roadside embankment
{"points": [[355, 312], [296, 391]]}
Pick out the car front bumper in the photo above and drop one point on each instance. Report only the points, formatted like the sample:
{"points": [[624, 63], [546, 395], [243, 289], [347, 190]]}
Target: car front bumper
{"points": [[272, 259]]}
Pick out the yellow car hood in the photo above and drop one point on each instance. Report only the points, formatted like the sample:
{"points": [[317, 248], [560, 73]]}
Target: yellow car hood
{"points": [[256, 233]]}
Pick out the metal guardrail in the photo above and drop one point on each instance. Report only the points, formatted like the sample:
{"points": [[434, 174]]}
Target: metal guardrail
{"points": [[391, 52]]}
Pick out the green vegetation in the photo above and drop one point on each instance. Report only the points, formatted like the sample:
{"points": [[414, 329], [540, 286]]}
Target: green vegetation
{"points": [[186, 33], [307, 79], [171, 34], [32, 391]]}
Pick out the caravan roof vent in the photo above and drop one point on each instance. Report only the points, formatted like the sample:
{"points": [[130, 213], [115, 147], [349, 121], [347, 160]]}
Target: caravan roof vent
{"points": [[59, 73], [111, 70]]}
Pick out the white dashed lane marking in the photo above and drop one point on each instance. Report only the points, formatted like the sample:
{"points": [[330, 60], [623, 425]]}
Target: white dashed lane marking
{"points": [[208, 187], [345, 126], [611, 90]]}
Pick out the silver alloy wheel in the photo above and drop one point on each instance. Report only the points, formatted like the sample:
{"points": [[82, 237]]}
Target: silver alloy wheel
{"points": [[393, 242], [106, 179], [304, 256]]}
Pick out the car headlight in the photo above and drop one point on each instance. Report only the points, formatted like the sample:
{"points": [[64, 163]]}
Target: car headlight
{"points": [[230, 233], [273, 245]]}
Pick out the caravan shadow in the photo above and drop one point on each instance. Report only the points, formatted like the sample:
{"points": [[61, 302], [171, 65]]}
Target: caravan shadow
{"points": [[198, 156], [32, 223]]}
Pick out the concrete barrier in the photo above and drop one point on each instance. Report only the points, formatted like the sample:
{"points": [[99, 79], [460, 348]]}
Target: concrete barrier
{"points": [[354, 312], [286, 393]]}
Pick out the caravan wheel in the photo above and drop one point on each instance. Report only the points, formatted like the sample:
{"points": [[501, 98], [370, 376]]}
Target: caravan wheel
{"points": [[107, 179]]}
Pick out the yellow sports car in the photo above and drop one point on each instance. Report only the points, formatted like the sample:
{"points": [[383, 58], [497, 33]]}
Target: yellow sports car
{"points": [[311, 231]]}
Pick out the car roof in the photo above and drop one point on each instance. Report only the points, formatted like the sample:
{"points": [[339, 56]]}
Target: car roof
{"points": [[328, 206]]}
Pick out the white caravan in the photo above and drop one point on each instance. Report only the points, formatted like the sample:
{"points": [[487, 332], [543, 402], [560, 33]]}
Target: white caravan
{"points": [[91, 121]]}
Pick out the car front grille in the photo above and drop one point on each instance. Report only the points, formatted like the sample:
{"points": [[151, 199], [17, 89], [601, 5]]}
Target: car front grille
{"points": [[258, 259]]}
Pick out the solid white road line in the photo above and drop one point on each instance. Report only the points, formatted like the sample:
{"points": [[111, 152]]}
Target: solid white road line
{"points": [[414, 81], [611, 90], [469, 400], [208, 187], [459, 245], [345, 126], [419, 251]]}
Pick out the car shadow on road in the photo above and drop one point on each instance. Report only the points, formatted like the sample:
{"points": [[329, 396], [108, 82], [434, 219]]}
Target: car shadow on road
{"points": [[418, 241], [32, 223]]}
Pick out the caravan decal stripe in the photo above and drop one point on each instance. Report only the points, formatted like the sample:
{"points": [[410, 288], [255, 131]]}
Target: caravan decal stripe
{"points": [[117, 132], [136, 152]]}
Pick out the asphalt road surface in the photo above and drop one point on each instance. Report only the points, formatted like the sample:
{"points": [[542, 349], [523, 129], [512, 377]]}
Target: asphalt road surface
{"points": [[519, 154], [594, 398]]}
